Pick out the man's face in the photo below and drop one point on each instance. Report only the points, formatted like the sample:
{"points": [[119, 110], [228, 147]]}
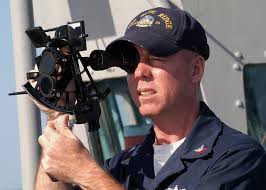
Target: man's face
{"points": [[162, 85]]}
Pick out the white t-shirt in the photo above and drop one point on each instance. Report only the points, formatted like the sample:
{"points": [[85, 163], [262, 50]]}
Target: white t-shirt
{"points": [[163, 152]]}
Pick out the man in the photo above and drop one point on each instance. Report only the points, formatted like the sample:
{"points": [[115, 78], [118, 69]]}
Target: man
{"points": [[188, 147]]}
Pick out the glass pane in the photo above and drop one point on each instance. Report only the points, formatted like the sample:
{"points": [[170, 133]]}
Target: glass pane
{"points": [[255, 95]]}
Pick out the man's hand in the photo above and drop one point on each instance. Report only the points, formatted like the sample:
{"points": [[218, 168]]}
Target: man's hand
{"points": [[67, 160], [64, 156]]}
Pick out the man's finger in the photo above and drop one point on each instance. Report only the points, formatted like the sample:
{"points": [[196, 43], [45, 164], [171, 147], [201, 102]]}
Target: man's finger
{"points": [[44, 142], [61, 125], [62, 122], [51, 123], [50, 132]]}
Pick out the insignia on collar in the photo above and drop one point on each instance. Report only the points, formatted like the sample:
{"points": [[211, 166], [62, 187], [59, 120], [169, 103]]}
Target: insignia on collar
{"points": [[201, 149]]}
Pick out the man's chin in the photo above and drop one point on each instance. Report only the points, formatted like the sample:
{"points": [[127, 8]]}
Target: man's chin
{"points": [[148, 112]]}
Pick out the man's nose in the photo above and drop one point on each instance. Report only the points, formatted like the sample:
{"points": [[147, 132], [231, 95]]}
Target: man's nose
{"points": [[143, 71]]}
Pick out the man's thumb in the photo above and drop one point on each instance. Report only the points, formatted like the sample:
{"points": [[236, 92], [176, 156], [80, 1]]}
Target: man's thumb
{"points": [[61, 125]]}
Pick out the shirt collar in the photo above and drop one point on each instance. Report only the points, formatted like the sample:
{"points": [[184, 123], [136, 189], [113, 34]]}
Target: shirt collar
{"points": [[199, 141]]}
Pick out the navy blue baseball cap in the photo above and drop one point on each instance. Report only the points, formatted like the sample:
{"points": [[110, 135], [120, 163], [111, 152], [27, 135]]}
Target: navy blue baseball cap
{"points": [[163, 32]]}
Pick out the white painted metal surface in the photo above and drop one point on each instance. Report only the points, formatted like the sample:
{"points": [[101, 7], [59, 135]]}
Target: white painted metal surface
{"points": [[233, 28], [28, 115]]}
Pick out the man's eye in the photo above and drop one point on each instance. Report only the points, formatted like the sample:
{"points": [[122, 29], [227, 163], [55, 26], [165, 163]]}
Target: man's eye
{"points": [[157, 59]]}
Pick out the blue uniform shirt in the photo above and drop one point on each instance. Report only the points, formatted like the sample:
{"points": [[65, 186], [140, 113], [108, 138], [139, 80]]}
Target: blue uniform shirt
{"points": [[213, 156]]}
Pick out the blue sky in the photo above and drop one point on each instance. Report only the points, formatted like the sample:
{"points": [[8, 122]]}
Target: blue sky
{"points": [[10, 177]]}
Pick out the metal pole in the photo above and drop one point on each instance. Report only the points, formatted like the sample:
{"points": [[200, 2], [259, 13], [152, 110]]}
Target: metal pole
{"points": [[28, 115]]}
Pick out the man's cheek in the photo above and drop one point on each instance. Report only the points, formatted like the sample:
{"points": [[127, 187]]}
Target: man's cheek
{"points": [[135, 98], [132, 88]]}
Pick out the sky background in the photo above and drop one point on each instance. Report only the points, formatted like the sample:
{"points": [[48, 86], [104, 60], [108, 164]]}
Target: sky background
{"points": [[10, 177]]}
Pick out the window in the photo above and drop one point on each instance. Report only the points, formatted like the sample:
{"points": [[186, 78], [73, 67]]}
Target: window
{"points": [[255, 97], [119, 118]]}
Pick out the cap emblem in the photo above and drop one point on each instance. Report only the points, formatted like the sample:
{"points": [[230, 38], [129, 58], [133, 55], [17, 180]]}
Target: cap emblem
{"points": [[145, 21]]}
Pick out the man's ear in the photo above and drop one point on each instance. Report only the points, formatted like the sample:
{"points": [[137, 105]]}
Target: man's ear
{"points": [[198, 65]]}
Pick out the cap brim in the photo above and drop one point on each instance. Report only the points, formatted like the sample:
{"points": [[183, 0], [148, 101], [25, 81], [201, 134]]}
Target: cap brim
{"points": [[155, 44]]}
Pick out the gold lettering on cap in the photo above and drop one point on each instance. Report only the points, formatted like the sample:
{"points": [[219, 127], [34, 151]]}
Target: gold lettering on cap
{"points": [[167, 21], [152, 11], [148, 12]]}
